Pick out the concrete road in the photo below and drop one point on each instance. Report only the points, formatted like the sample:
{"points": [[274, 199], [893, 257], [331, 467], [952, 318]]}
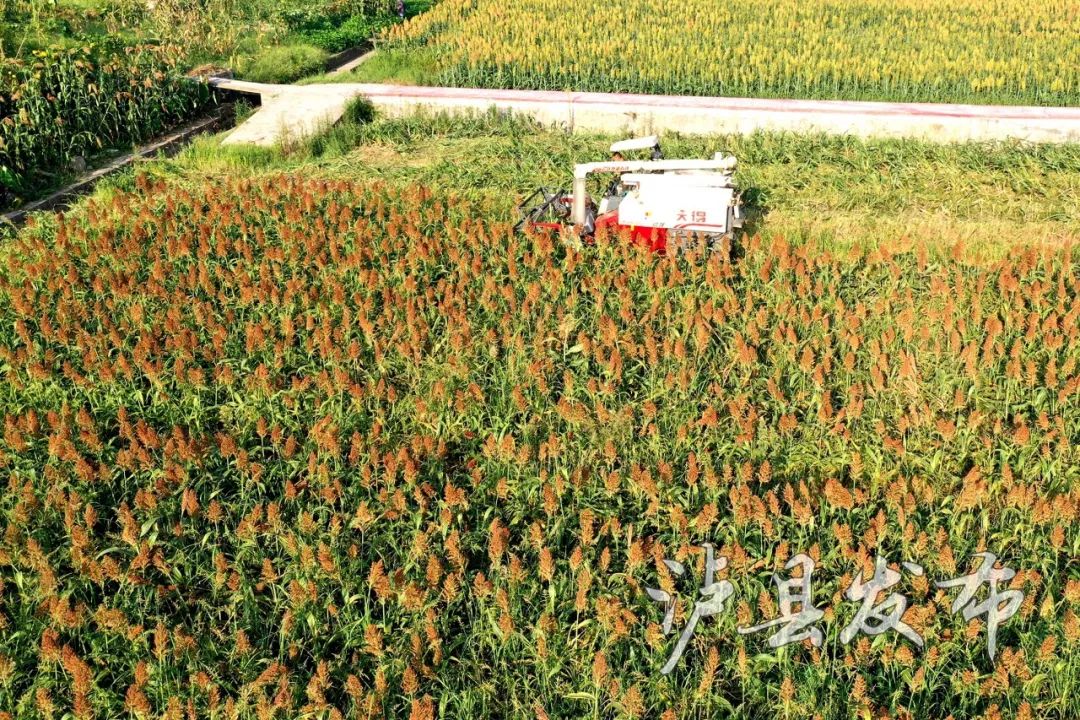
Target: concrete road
{"points": [[293, 111]]}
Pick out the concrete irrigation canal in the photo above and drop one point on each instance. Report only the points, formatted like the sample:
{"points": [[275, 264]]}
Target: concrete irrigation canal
{"points": [[293, 111]]}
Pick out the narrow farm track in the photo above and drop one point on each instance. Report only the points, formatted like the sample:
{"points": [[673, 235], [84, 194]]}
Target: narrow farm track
{"points": [[292, 111]]}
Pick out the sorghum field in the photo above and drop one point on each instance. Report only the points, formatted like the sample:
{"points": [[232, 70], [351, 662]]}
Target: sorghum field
{"points": [[978, 51], [288, 447]]}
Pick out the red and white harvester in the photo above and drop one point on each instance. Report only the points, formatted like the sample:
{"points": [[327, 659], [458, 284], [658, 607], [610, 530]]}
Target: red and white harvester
{"points": [[663, 204]]}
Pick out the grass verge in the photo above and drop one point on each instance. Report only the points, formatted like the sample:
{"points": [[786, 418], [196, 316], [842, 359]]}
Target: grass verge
{"points": [[399, 67]]}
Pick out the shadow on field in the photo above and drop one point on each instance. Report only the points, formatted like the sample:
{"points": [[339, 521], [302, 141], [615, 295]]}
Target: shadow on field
{"points": [[754, 208], [754, 213]]}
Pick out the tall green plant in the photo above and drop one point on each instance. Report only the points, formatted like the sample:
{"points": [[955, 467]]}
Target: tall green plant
{"points": [[60, 104]]}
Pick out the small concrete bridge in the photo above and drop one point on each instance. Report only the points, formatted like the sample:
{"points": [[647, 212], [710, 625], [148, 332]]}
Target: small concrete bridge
{"points": [[294, 111]]}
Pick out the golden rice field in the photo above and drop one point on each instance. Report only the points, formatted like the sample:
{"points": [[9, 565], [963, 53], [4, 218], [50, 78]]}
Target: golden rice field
{"points": [[300, 448], [972, 51]]}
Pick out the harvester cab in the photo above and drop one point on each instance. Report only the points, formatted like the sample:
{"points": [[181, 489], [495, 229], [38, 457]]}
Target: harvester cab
{"points": [[664, 204], [616, 190]]}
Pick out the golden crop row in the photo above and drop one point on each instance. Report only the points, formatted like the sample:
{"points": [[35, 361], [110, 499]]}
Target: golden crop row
{"points": [[1007, 51]]}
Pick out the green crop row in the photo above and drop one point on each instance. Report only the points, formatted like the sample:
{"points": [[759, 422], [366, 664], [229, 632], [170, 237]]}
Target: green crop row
{"points": [[62, 104]]}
